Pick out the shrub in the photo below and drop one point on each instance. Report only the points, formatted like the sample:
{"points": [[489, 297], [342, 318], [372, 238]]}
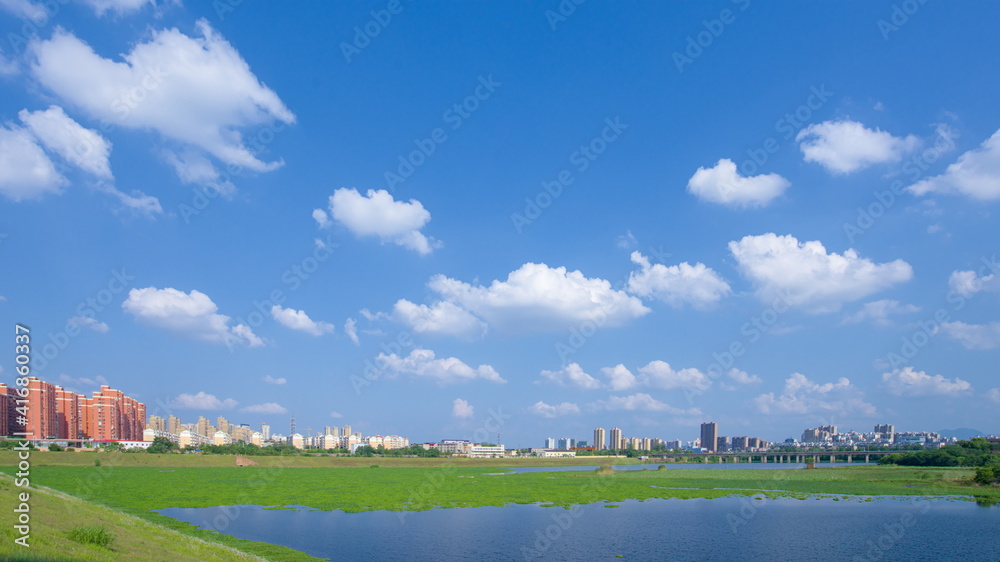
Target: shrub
{"points": [[987, 475], [54, 447], [97, 462], [96, 535]]}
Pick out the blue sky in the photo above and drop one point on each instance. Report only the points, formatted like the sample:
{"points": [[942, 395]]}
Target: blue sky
{"points": [[422, 218]]}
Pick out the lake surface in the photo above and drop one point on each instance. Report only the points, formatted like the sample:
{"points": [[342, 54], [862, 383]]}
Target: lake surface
{"points": [[655, 466], [724, 529]]}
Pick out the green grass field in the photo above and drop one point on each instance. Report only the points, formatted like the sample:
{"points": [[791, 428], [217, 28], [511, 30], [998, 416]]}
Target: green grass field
{"points": [[133, 484]]}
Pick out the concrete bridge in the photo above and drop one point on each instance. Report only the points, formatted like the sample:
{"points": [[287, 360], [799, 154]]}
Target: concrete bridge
{"points": [[764, 457]]}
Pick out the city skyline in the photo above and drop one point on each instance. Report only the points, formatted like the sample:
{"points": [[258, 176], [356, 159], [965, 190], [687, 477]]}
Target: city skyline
{"points": [[428, 229]]}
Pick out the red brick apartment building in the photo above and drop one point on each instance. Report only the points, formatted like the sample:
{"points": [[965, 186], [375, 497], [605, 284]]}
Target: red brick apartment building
{"points": [[56, 413]]}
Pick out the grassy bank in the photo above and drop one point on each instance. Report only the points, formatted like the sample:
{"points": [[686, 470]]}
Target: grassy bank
{"points": [[55, 516]]}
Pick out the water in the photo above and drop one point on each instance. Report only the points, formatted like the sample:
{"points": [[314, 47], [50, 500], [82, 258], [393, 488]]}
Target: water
{"points": [[655, 466], [724, 529]]}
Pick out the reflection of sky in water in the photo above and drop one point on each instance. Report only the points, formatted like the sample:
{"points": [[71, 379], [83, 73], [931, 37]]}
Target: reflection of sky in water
{"points": [[699, 529]]}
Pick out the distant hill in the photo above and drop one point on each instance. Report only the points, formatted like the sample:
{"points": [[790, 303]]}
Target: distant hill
{"points": [[962, 433]]}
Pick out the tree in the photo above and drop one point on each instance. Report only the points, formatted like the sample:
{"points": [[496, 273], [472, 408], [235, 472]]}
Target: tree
{"points": [[161, 445]]}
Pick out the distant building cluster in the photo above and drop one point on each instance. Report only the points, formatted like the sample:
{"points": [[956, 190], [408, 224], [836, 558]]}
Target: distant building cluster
{"points": [[882, 435], [56, 413]]}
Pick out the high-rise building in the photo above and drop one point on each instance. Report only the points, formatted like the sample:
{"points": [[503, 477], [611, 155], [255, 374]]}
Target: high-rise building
{"points": [[739, 443], [174, 425], [265, 431], [616, 439], [223, 425], [635, 443], [156, 423], [887, 430], [722, 443], [647, 444], [346, 431], [550, 442], [8, 411], [41, 409], [709, 435], [68, 412], [599, 438], [204, 428]]}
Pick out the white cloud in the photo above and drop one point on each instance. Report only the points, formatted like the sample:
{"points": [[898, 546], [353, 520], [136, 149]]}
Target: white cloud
{"points": [[351, 329], [659, 374], [84, 148], [68, 381], [191, 314], [805, 274], [742, 377], [8, 67], [803, 396], [538, 298], [461, 409], [197, 91], [880, 311], [619, 377], [266, 408], [968, 283], [442, 317], [25, 170], [378, 214], [202, 401], [638, 402], [25, 9], [336, 415], [88, 322], [907, 382], [298, 320], [993, 394], [548, 411], [120, 7], [973, 336], [421, 363], [724, 185], [843, 147], [676, 285], [572, 375], [322, 218], [975, 174], [271, 380], [193, 167], [627, 240]]}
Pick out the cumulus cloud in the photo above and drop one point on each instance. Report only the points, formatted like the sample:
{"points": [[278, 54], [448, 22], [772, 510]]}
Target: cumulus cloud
{"points": [[638, 402], [461, 409], [993, 394], [197, 91], [81, 382], [271, 380], [803, 396], [724, 185], [25, 170], [442, 317], [973, 336], [550, 411], [88, 322], [537, 298], [677, 285], [266, 408], [879, 312], [742, 377], [975, 174], [908, 382], [968, 283], [803, 273], [845, 146], [201, 401], [25, 9], [572, 375], [422, 364], [298, 320], [120, 7], [336, 415], [351, 329], [191, 314], [659, 374], [193, 167], [619, 377], [378, 214], [84, 148]]}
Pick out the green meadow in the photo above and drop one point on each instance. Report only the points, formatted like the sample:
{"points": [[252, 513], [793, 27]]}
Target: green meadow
{"points": [[131, 485]]}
